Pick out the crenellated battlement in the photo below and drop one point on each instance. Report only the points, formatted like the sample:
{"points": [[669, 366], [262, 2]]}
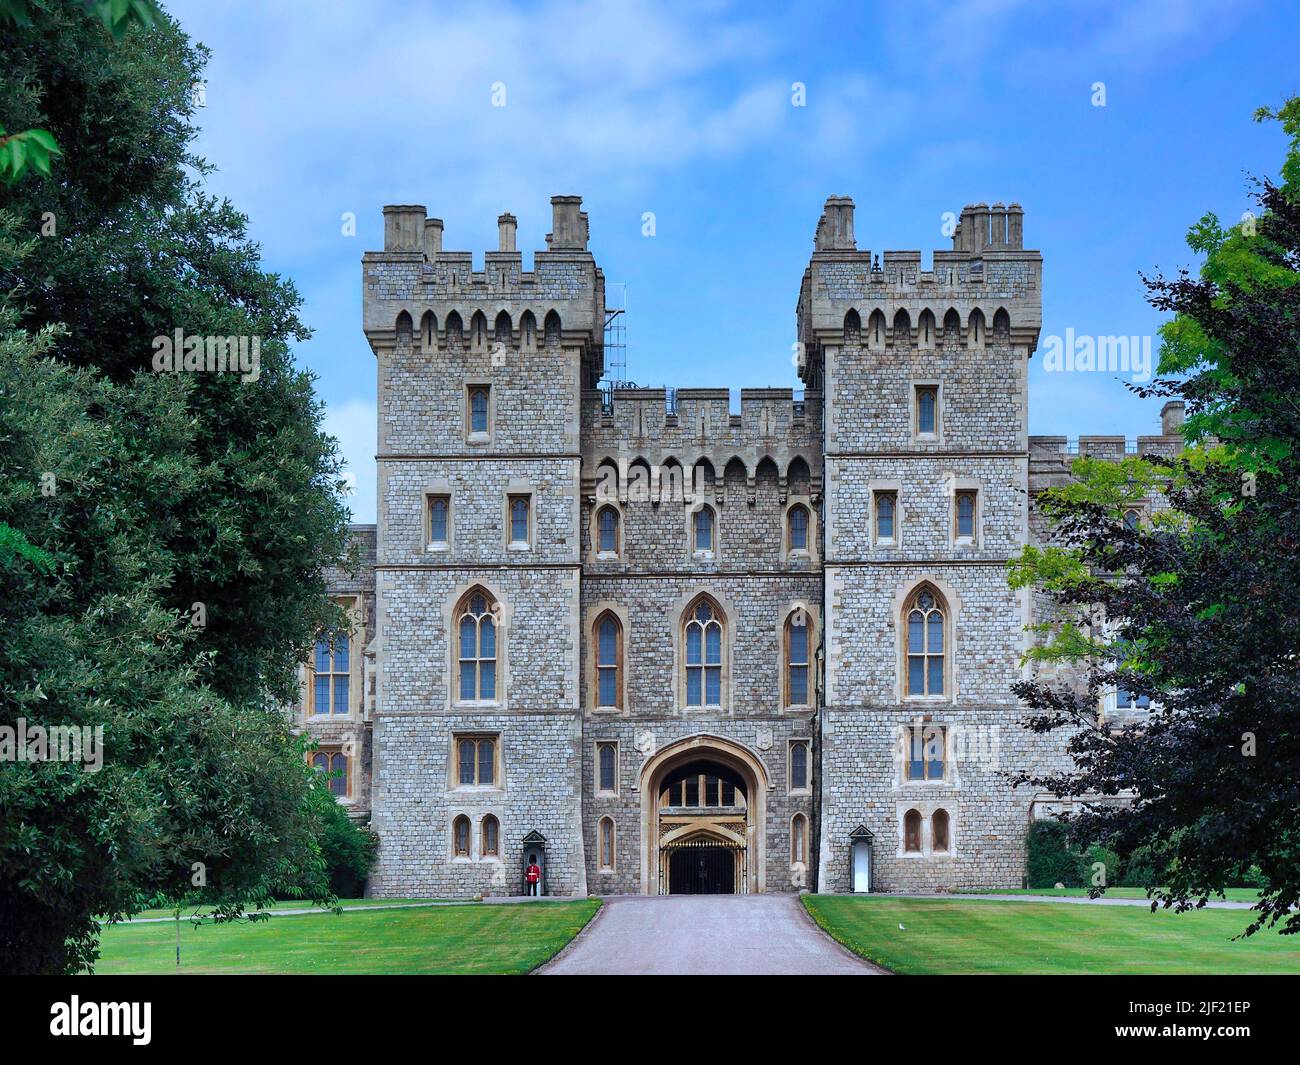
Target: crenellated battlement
{"points": [[693, 425], [1168, 442], [416, 287], [987, 283]]}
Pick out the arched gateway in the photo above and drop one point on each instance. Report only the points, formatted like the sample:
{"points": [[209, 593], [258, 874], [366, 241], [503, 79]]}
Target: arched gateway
{"points": [[703, 811]]}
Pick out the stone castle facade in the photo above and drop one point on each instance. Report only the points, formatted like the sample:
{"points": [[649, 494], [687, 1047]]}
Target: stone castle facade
{"points": [[662, 647]]}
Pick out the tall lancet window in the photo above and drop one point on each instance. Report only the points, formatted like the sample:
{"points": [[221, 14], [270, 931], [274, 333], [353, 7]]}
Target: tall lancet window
{"points": [[925, 643], [477, 636], [609, 662], [703, 637]]}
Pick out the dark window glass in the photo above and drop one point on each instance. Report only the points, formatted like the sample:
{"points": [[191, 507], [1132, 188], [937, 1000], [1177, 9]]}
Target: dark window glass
{"points": [[478, 410], [798, 529], [927, 402]]}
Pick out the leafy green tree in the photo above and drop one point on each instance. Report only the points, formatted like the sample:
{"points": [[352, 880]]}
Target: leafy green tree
{"points": [[36, 148], [139, 250], [163, 536], [1198, 610]]}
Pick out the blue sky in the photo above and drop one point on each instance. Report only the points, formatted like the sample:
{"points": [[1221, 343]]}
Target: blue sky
{"points": [[685, 110]]}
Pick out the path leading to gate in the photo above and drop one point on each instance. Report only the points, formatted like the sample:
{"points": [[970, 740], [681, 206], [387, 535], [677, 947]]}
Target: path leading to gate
{"points": [[704, 934]]}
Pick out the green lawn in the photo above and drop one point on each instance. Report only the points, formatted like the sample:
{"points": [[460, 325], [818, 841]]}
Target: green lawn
{"points": [[474, 938], [1232, 894], [986, 936]]}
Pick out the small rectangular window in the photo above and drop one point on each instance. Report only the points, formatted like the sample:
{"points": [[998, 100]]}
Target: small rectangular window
{"points": [[703, 529], [799, 766], [476, 760], [439, 520], [336, 767], [925, 751], [518, 510], [1127, 700], [927, 410], [607, 768], [797, 660], [965, 514], [479, 410], [886, 516], [331, 676]]}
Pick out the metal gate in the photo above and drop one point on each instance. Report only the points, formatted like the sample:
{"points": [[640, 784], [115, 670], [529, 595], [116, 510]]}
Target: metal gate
{"points": [[703, 866]]}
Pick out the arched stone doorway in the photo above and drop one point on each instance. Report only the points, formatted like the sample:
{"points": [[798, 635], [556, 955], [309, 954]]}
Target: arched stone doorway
{"points": [[703, 810]]}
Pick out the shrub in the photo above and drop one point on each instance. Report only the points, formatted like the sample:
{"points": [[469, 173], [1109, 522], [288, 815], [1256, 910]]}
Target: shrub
{"points": [[1147, 866], [348, 850], [1049, 859], [1107, 858]]}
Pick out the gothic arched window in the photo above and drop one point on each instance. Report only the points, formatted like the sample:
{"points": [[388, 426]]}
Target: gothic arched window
{"points": [[912, 831], [609, 661], [924, 626], [703, 640], [799, 839], [606, 844], [476, 629], [491, 841], [460, 836], [939, 831]]}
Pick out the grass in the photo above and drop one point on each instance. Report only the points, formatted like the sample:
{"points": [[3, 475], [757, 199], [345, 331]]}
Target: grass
{"points": [[987, 936], [459, 940], [1232, 894]]}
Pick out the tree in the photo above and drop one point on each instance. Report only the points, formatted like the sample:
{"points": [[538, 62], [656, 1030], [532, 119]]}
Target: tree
{"points": [[163, 536], [1198, 610], [35, 148]]}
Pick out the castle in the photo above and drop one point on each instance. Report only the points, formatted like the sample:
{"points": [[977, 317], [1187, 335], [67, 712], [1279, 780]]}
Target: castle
{"points": [[658, 647]]}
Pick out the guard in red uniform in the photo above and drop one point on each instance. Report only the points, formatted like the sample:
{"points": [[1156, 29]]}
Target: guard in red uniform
{"points": [[534, 877]]}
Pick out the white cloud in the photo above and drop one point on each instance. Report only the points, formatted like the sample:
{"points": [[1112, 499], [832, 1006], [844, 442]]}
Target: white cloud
{"points": [[396, 99]]}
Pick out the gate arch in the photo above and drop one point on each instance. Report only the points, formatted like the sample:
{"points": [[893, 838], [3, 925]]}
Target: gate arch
{"points": [[750, 773]]}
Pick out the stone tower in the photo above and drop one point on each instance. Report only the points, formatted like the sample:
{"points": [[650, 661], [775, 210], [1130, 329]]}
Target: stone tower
{"points": [[477, 725], [926, 471]]}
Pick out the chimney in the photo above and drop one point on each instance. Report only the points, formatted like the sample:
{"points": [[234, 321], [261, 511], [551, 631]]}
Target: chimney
{"points": [[835, 228], [977, 228], [567, 230], [432, 238], [506, 224], [402, 227], [1171, 418], [998, 225], [1015, 226]]}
